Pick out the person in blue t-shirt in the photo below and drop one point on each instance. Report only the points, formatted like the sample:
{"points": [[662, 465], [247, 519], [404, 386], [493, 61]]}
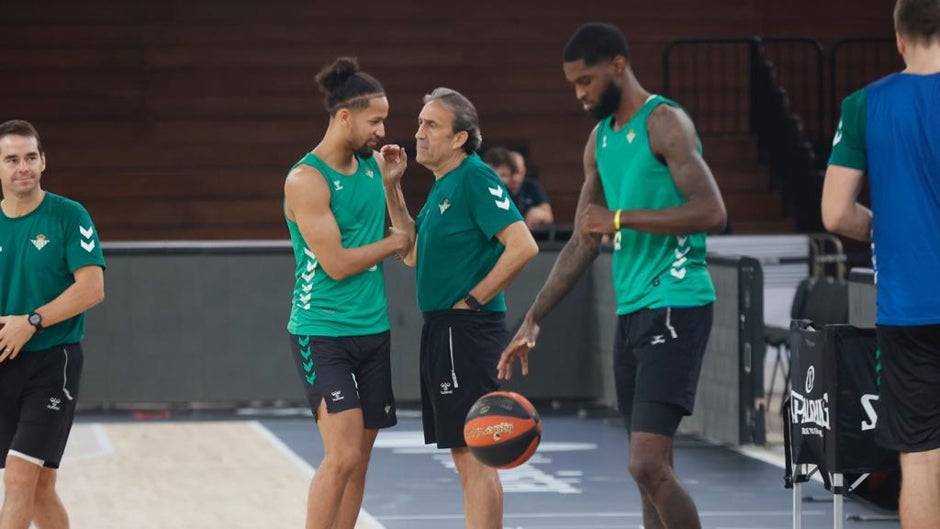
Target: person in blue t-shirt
{"points": [[890, 130]]}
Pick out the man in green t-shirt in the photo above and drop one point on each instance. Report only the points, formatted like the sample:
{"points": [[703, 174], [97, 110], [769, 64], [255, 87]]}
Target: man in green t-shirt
{"points": [[51, 272], [471, 242], [334, 204], [647, 186]]}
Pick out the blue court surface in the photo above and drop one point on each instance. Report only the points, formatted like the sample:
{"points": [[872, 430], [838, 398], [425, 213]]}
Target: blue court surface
{"points": [[576, 480]]}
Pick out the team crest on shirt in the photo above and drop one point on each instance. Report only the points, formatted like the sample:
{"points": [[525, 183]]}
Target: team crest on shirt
{"points": [[630, 136], [444, 205], [337, 184], [369, 173], [40, 241]]}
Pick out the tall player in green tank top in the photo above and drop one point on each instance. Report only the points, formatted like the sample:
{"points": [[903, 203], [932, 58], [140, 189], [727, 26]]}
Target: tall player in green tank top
{"points": [[334, 204], [647, 186]]}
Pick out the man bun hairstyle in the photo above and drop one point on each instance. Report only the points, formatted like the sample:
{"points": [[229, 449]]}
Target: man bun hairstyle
{"points": [[344, 85], [594, 42]]}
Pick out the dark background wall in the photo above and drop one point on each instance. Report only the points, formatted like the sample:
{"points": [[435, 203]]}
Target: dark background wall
{"points": [[178, 119]]}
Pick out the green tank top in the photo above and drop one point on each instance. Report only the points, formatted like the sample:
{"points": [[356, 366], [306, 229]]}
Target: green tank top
{"points": [[649, 270], [39, 253], [355, 306]]}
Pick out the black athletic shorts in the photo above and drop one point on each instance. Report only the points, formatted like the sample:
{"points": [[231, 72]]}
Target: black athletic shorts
{"points": [[658, 356], [348, 372], [459, 353], [38, 390], [909, 388]]}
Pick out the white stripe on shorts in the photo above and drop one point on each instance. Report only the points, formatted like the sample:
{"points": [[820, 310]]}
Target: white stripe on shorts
{"points": [[31, 459]]}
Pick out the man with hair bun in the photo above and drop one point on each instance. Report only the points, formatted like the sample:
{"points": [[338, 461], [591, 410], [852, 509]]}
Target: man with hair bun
{"points": [[890, 130], [334, 204]]}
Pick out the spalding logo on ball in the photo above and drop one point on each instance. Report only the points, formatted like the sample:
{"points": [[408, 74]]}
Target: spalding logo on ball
{"points": [[502, 429]]}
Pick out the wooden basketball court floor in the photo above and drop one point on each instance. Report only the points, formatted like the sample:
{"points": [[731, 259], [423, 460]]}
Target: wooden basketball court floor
{"points": [[252, 471]]}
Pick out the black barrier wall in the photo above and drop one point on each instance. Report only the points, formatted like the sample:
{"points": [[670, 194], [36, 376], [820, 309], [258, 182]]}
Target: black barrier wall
{"points": [[193, 324]]}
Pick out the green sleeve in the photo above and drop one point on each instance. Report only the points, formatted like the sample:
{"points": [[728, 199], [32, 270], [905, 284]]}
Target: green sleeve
{"points": [[491, 206], [81, 239], [848, 145]]}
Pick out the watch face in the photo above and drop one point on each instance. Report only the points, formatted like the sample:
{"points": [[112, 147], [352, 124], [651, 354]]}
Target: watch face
{"points": [[35, 319]]}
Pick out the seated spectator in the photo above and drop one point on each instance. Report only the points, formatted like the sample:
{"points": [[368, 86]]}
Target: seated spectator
{"points": [[526, 192]]}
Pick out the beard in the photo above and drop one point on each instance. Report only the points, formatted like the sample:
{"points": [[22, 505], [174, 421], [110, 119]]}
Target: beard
{"points": [[608, 102], [367, 149], [365, 152]]}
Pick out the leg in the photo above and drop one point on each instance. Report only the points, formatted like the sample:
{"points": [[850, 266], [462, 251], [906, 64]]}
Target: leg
{"points": [[342, 435], [482, 491], [50, 512], [356, 486], [920, 489], [651, 468], [19, 501], [651, 519]]}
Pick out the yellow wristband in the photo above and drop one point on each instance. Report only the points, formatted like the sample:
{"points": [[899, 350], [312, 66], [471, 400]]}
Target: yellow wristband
{"points": [[617, 220]]}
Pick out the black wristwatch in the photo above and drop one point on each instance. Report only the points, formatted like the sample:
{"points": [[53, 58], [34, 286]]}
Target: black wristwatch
{"points": [[473, 303], [35, 319]]}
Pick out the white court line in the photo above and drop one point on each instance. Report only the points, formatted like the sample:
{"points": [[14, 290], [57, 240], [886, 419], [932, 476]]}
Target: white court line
{"points": [[105, 448], [624, 514], [365, 521]]}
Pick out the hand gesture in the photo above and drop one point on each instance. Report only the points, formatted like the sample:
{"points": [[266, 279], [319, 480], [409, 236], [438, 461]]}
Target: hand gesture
{"points": [[518, 347], [396, 160], [15, 331]]}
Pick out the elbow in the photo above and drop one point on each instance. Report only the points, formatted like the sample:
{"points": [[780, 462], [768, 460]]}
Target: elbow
{"points": [[97, 297], [718, 221], [531, 250], [832, 220], [335, 271]]}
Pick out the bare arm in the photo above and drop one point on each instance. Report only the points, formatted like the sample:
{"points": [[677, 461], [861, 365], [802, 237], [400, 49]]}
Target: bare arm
{"points": [[392, 161], [580, 250], [307, 202], [86, 292], [672, 138], [841, 212], [520, 248]]}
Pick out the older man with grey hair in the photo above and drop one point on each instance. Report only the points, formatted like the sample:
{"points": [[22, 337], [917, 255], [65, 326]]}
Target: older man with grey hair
{"points": [[471, 242]]}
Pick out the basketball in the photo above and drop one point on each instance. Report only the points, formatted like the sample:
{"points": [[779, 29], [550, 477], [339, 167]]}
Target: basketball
{"points": [[502, 429]]}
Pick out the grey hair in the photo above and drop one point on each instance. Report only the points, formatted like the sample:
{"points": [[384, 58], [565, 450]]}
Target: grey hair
{"points": [[465, 115]]}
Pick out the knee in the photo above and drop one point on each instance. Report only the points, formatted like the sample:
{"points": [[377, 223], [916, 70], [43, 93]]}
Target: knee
{"points": [[649, 472], [19, 484], [469, 468], [45, 486], [345, 461]]}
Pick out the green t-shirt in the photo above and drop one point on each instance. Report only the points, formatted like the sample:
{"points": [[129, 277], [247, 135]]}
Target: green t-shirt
{"points": [[355, 306], [457, 246], [39, 252], [649, 270], [848, 144]]}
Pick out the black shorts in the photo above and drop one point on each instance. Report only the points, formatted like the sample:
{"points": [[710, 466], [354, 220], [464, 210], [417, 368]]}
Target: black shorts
{"points": [[38, 391], [909, 387], [658, 356], [459, 353], [348, 372]]}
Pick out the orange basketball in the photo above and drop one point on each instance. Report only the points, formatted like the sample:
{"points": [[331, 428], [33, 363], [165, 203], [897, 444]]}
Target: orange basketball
{"points": [[502, 429]]}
